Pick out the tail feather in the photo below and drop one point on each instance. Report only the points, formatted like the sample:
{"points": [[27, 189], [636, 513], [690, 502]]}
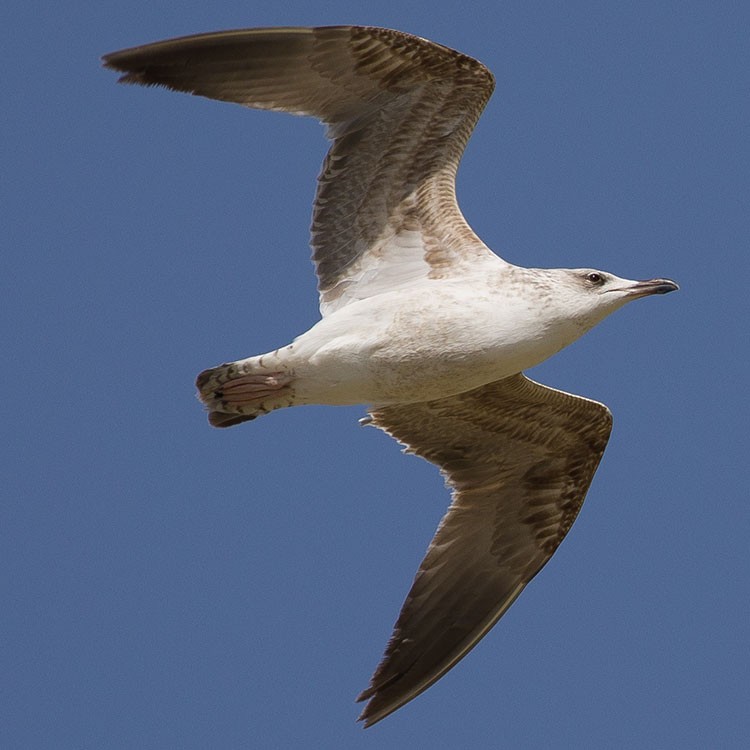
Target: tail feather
{"points": [[222, 419], [237, 392]]}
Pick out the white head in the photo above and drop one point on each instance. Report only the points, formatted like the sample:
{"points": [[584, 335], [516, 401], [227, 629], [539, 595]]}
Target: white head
{"points": [[583, 297]]}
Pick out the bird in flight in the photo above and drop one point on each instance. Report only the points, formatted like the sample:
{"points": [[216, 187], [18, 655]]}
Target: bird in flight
{"points": [[420, 320]]}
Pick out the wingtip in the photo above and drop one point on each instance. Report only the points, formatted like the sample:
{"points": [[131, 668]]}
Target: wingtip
{"points": [[109, 62], [377, 708], [364, 716], [369, 718], [133, 78]]}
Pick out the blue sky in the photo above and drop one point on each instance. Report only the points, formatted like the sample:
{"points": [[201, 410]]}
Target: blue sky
{"points": [[168, 585]]}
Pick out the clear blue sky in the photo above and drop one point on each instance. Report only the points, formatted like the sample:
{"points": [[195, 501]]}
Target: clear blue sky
{"points": [[168, 585]]}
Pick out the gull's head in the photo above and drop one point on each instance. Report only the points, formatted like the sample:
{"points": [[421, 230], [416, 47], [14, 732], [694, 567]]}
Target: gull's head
{"points": [[589, 295]]}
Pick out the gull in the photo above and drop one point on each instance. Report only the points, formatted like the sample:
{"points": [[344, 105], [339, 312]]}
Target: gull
{"points": [[420, 320]]}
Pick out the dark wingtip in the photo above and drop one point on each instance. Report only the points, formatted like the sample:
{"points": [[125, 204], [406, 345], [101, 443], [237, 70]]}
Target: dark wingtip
{"points": [[131, 77], [367, 721], [109, 61]]}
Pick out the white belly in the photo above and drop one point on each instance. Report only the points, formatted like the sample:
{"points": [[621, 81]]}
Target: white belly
{"points": [[420, 345]]}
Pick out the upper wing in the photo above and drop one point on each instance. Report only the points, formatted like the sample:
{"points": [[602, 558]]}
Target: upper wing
{"points": [[399, 110], [520, 458]]}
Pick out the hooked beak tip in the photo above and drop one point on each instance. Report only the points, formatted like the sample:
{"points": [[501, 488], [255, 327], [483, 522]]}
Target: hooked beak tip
{"points": [[653, 286]]}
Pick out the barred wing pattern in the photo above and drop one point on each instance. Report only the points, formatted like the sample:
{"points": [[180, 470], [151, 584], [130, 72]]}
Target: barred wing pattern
{"points": [[519, 457], [399, 110]]}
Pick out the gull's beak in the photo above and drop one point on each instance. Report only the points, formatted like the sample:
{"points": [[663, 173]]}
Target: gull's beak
{"points": [[648, 287]]}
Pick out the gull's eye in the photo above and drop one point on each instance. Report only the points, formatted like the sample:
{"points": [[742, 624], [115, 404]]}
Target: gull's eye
{"points": [[595, 278]]}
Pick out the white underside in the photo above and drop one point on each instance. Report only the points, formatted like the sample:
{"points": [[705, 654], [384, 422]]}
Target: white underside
{"points": [[430, 340]]}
